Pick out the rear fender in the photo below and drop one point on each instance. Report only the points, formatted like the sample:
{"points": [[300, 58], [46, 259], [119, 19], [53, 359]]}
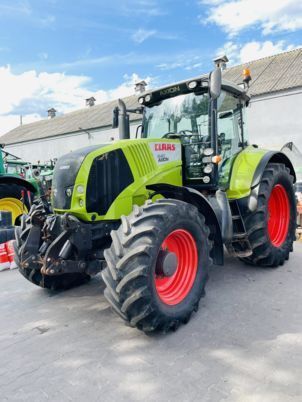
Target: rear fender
{"points": [[248, 168], [193, 197], [250, 203]]}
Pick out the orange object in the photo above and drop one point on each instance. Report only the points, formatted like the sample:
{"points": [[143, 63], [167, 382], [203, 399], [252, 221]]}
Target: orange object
{"points": [[217, 159], [246, 75], [11, 253], [246, 72], [4, 261]]}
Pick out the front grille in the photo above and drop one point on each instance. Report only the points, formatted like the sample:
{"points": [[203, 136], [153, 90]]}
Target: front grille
{"points": [[109, 175]]}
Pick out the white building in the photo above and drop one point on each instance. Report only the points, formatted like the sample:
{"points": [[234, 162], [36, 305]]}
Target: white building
{"points": [[275, 112], [274, 115], [50, 138]]}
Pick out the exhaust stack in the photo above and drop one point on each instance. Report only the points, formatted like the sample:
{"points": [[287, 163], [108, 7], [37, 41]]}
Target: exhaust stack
{"points": [[123, 121]]}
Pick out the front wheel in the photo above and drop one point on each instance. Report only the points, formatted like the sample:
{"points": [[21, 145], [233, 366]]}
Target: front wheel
{"points": [[157, 265], [271, 228]]}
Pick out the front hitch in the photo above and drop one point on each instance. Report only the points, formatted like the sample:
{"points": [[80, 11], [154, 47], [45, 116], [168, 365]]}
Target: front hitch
{"points": [[55, 244]]}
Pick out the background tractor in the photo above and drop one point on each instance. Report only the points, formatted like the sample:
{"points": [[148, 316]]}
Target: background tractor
{"points": [[153, 213], [16, 193], [20, 182]]}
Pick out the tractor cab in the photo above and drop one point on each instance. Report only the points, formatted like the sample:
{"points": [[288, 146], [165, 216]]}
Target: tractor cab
{"points": [[210, 128]]}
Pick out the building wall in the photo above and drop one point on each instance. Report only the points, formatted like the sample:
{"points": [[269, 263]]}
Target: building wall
{"points": [[49, 148], [276, 119]]}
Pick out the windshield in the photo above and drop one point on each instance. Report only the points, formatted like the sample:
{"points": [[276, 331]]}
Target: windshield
{"points": [[184, 113]]}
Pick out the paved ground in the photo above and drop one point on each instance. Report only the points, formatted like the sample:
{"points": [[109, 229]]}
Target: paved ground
{"points": [[244, 344]]}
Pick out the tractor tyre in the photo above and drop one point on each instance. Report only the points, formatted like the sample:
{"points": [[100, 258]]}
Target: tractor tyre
{"points": [[10, 200], [7, 235], [157, 265], [271, 228]]}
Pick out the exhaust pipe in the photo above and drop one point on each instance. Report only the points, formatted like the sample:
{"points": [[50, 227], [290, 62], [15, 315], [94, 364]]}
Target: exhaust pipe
{"points": [[123, 121]]}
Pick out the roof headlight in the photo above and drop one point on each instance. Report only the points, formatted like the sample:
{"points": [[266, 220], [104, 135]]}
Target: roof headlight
{"points": [[141, 100], [192, 84]]}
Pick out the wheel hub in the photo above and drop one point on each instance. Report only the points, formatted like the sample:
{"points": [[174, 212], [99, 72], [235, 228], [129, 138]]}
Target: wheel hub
{"points": [[166, 264]]}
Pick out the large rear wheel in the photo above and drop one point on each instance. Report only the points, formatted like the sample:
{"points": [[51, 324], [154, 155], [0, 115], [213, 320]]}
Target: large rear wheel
{"points": [[10, 200], [271, 228], [157, 265]]}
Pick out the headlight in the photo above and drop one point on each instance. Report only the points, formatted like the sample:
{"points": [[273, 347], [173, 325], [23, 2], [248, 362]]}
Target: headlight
{"points": [[208, 151], [141, 100], [80, 189], [147, 98], [68, 192], [192, 84], [208, 169]]}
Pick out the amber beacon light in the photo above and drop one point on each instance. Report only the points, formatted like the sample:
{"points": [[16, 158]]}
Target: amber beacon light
{"points": [[246, 76]]}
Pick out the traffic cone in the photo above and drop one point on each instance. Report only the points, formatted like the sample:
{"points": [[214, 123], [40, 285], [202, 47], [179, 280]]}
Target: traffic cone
{"points": [[4, 261], [11, 253]]}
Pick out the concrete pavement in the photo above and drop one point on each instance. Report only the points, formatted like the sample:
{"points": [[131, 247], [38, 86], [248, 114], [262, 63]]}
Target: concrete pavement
{"points": [[244, 344]]}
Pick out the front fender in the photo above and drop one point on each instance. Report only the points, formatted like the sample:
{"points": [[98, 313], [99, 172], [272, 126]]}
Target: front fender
{"points": [[195, 198]]}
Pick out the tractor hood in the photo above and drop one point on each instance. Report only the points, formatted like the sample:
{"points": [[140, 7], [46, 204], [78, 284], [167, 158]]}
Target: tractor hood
{"points": [[104, 181]]}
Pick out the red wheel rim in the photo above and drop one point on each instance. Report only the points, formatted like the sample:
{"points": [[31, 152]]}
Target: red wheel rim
{"points": [[173, 290], [279, 215]]}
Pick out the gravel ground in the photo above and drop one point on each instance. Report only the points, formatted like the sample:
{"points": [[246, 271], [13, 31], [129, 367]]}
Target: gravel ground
{"points": [[244, 344]]}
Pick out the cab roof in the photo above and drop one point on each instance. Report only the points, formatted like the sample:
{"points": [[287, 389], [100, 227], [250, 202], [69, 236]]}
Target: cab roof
{"points": [[227, 85]]}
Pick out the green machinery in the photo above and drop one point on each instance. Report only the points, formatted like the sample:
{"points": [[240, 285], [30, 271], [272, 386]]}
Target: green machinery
{"points": [[20, 182], [153, 213]]}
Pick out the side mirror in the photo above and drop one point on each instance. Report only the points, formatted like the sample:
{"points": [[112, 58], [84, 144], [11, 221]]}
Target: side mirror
{"points": [[215, 83], [115, 115]]}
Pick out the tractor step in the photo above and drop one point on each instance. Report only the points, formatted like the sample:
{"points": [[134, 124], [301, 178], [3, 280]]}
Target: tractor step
{"points": [[239, 246]]}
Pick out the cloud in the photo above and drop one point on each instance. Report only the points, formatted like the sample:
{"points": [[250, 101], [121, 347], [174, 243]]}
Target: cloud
{"points": [[30, 94], [253, 50], [23, 10], [18, 8], [185, 61], [146, 8], [271, 16], [141, 35]]}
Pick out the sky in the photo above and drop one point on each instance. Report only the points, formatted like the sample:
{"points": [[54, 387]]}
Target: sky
{"points": [[56, 53]]}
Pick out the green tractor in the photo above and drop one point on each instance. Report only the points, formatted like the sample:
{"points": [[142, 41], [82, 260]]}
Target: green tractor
{"points": [[21, 182], [153, 213], [16, 190]]}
